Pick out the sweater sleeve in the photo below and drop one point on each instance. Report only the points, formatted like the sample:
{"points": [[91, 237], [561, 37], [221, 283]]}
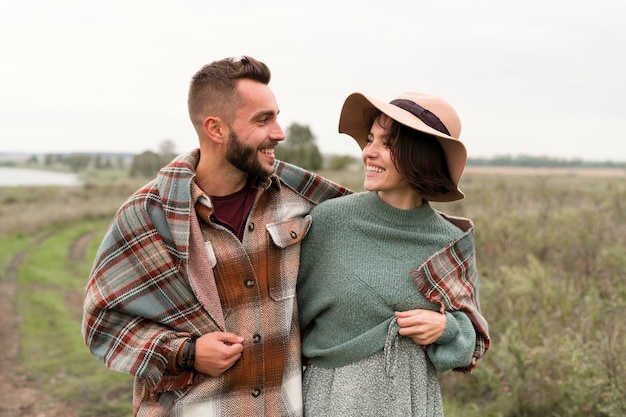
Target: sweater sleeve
{"points": [[455, 347]]}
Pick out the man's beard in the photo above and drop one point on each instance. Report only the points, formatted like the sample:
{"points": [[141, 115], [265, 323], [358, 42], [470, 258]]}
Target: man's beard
{"points": [[245, 157]]}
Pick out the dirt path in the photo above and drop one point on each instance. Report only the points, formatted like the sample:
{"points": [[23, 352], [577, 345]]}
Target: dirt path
{"points": [[19, 394]]}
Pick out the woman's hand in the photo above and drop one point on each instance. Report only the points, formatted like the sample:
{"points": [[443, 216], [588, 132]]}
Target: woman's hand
{"points": [[423, 326]]}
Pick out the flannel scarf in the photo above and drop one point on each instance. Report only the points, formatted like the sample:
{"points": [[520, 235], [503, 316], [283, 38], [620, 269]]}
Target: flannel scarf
{"points": [[449, 279]]}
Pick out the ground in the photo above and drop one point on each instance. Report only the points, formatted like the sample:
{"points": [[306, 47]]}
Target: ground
{"points": [[19, 394]]}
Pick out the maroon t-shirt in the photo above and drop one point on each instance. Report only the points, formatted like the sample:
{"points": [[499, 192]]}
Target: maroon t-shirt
{"points": [[231, 211]]}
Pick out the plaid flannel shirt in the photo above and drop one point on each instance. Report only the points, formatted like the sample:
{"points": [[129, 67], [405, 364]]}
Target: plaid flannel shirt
{"points": [[161, 275]]}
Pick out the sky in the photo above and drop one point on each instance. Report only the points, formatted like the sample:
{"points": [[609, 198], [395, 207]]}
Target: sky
{"points": [[533, 77]]}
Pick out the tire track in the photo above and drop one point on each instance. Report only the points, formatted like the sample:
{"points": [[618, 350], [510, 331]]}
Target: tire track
{"points": [[19, 394]]}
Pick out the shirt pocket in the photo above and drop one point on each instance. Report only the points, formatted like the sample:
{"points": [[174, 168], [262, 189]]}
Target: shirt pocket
{"points": [[284, 255]]}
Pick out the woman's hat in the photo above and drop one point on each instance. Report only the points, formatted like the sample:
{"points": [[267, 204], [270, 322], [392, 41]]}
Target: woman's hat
{"points": [[423, 112]]}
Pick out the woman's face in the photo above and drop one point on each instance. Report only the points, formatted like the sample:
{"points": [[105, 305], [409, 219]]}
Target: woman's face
{"points": [[381, 174]]}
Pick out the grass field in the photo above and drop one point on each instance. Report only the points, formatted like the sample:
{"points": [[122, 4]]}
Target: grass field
{"points": [[551, 251]]}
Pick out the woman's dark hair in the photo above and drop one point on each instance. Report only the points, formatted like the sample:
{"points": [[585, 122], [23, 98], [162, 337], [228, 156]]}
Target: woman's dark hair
{"points": [[420, 158]]}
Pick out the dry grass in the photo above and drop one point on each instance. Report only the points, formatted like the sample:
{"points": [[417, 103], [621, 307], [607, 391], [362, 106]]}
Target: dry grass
{"points": [[551, 249], [27, 210], [546, 171]]}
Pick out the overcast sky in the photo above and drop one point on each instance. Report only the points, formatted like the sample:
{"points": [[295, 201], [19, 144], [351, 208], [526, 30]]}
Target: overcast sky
{"points": [[532, 77]]}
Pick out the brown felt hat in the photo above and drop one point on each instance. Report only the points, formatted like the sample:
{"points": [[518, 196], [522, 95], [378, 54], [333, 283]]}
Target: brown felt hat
{"points": [[423, 112]]}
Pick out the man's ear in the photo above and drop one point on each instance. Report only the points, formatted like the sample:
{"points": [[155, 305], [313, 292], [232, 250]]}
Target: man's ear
{"points": [[214, 128]]}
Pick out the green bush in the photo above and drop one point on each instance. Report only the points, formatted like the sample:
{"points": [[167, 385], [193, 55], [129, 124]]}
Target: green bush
{"points": [[552, 260]]}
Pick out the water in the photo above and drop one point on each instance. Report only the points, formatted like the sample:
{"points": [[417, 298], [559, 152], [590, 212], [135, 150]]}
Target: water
{"points": [[13, 177]]}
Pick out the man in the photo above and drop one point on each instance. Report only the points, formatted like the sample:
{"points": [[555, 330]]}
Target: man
{"points": [[193, 288]]}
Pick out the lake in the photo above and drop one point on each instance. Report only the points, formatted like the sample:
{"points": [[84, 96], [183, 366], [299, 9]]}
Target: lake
{"points": [[14, 177]]}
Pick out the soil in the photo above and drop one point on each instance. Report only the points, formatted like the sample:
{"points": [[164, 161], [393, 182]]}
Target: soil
{"points": [[19, 394]]}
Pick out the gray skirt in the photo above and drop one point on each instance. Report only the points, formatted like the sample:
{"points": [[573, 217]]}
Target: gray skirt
{"points": [[398, 381]]}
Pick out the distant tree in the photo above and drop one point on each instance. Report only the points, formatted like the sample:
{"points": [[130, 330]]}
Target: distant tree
{"points": [[48, 160], [167, 150], [340, 162], [146, 164], [77, 162], [120, 163], [102, 162], [299, 148], [167, 147]]}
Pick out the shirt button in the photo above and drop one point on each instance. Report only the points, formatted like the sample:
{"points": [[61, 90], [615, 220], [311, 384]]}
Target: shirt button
{"points": [[294, 235], [249, 283], [251, 227], [256, 392], [256, 338]]}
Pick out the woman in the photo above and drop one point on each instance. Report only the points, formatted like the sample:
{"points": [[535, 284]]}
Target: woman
{"points": [[387, 287]]}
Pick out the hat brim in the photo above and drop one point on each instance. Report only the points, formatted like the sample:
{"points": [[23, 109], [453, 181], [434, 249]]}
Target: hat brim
{"points": [[355, 120]]}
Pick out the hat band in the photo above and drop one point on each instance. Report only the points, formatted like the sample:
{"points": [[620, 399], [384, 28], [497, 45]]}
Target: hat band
{"points": [[421, 113]]}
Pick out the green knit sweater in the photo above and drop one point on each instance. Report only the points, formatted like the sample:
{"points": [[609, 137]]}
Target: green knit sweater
{"points": [[355, 272]]}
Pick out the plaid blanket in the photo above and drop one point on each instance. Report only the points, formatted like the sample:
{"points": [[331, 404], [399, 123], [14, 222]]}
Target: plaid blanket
{"points": [[140, 301], [449, 279]]}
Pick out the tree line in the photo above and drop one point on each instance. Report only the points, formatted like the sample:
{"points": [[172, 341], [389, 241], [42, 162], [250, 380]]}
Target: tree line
{"points": [[540, 161], [300, 149]]}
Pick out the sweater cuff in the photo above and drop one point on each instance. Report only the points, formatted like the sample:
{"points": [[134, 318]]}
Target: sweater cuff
{"points": [[451, 331]]}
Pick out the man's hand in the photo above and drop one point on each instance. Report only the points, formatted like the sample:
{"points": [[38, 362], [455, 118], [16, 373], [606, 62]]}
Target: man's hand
{"points": [[423, 326], [216, 352]]}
